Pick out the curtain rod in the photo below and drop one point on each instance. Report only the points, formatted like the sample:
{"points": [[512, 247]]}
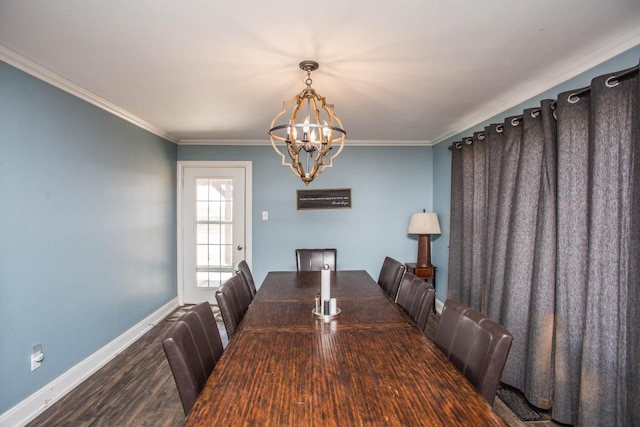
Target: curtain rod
{"points": [[574, 97], [612, 81]]}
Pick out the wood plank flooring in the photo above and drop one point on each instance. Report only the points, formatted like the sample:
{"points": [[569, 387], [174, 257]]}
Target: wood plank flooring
{"points": [[137, 389]]}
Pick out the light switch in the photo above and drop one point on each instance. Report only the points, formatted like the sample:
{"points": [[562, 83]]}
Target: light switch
{"points": [[37, 356], [265, 215]]}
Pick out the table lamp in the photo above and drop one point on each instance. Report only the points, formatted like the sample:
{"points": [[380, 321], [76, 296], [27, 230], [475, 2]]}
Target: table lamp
{"points": [[424, 224]]}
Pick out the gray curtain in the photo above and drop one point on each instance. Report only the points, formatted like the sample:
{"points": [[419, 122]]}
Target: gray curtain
{"points": [[557, 209], [521, 287], [470, 174], [456, 237], [598, 213]]}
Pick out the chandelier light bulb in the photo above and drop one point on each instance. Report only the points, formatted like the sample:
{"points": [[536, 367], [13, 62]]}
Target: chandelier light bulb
{"points": [[325, 130]]}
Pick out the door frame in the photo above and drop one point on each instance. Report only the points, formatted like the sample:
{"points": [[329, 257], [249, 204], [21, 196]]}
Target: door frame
{"points": [[248, 197]]}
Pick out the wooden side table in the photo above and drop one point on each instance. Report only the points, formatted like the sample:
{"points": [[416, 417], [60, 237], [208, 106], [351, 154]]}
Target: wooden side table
{"points": [[426, 273]]}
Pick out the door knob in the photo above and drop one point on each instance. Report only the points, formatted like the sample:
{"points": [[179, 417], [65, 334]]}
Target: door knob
{"points": [[240, 247]]}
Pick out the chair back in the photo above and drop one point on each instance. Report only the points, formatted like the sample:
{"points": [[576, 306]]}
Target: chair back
{"points": [[390, 276], [233, 299], [475, 344], [243, 267], [210, 346], [315, 259], [416, 297], [192, 347]]}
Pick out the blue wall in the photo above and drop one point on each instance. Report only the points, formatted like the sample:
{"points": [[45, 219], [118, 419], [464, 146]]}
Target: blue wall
{"points": [[87, 229], [387, 184], [442, 156]]}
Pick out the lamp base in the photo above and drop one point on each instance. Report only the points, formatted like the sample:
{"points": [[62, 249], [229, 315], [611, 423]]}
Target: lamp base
{"points": [[424, 251]]}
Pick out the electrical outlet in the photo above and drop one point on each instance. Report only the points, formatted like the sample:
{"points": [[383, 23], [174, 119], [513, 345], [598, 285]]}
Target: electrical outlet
{"points": [[37, 356]]}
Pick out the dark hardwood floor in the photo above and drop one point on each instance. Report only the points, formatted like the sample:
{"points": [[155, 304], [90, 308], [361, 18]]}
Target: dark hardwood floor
{"points": [[137, 389]]}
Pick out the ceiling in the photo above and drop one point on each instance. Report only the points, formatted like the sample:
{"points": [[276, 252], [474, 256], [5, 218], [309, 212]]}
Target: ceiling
{"points": [[398, 72]]}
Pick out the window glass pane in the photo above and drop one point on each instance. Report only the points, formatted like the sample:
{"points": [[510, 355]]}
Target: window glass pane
{"points": [[226, 211], [202, 234], [214, 234], [202, 211], [202, 279], [202, 189], [216, 189], [227, 254], [214, 211], [202, 256], [226, 189], [214, 255], [217, 278], [225, 234]]}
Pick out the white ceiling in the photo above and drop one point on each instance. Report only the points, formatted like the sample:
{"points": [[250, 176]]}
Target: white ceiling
{"points": [[398, 72]]}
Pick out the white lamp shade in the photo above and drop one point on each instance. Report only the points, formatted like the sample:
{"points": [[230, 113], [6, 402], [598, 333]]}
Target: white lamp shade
{"points": [[424, 223]]}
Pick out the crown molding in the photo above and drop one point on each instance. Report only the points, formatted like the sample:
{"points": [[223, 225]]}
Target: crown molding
{"points": [[557, 76], [546, 82], [42, 73], [349, 142], [38, 71]]}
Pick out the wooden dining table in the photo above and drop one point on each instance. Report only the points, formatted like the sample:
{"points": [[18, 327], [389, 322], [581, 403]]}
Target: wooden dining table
{"points": [[368, 366]]}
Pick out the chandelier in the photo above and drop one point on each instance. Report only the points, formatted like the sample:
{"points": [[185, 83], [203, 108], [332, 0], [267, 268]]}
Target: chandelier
{"points": [[307, 129]]}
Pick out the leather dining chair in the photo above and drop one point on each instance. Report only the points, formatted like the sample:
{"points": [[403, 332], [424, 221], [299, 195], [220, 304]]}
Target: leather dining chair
{"points": [[233, 299], [475, 344], [390, 276], [192, 346], [416, 297], [243, 267], [214, 347], [315, 259]]}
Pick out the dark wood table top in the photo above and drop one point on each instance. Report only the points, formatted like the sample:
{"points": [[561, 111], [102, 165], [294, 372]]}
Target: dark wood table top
{"points": [[368, 366], [292, 285]]}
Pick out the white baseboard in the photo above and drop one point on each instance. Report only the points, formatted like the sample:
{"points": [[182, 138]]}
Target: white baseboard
{"points": [[439, 306], [42, 399]]}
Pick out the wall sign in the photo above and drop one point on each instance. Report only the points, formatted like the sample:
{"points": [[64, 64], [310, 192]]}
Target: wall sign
{"points": [[334, 198]]}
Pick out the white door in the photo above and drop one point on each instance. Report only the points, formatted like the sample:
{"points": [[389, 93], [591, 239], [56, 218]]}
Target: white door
{"points": [[212, 228]]}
